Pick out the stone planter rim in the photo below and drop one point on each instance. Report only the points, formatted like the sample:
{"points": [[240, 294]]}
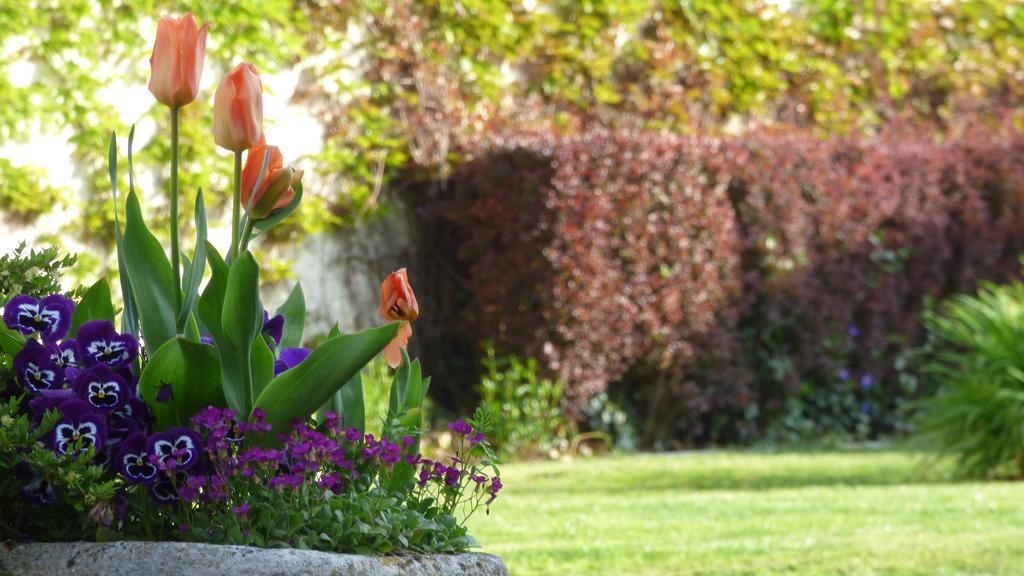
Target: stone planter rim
{"points": [[131, 558]]}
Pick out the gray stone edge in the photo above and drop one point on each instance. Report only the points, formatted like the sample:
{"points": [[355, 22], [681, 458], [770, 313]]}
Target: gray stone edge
{"points": [[180, 558]]}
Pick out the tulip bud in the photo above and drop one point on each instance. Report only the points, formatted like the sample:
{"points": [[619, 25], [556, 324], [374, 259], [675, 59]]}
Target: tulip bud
{"points": [[397, 302], [276, 190], [238, 109], [177, 61]]}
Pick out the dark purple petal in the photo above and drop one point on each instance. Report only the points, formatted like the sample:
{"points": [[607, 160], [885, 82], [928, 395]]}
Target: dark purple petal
{"points": [[99, 343], [20, 314], [273, 327], [132, 460], [102, 388], [68, 354], [290, 358], [56, 311], [34, 368], [163, 491], [49, 400]]}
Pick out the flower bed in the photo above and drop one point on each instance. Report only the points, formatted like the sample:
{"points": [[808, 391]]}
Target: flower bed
{"points": [[202, 418]]}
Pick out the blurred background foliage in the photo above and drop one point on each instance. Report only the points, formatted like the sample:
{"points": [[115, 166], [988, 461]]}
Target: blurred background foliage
{"points": [[400, 82], [409, 92]]}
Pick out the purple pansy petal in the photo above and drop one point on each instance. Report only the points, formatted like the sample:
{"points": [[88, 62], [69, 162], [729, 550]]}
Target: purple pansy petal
{"points": [[273, 327], [56, 311], [35, 369], [132, 460], [80, 424], [290, 358], [102, 388], [49, 400], [22, 307], [178, 444], [99, 343], [68, 353]]}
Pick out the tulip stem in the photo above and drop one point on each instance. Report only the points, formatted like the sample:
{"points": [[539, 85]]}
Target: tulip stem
{"points": [[175, 255], [243, 243], [236, 209]]}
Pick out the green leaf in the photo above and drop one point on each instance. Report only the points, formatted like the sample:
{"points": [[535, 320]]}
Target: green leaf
{"points": [[130, 315], [262, 363], [294, 312], [193, 373], [301, 390], [211, 303], [348, 403], [11, 342], [151, 277], [96, 304], [240, 322], [194, 273]]}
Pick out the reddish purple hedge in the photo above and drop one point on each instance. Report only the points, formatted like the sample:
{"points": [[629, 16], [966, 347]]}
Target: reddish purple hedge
{"points": [[702, 277]]}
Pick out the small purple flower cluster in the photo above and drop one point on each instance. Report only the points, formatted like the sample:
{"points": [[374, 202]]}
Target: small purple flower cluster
{"points": [[447, 479], [333, 459]]}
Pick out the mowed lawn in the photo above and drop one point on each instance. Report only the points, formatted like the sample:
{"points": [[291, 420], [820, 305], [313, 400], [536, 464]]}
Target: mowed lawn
{"points": [[877, 512]]}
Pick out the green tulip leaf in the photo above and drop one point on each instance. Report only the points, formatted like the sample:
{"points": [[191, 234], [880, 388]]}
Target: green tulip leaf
{"points": [[240, 322], [262, 363], [95, 304], [152, 280], [298, 392], [211, 303], [181, 378], [130, 315], [294, 312], [193, 274]]}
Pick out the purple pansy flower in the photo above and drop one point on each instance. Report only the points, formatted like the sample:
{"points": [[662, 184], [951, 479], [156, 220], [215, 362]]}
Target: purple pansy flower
{"points": [[273, 327], [163, 490], [176, 448], [102, 388], [844, 374], [133, 460], [99, 343], [290, 358], [51, 316], [35, 369], [867, 381], [80, 424]]}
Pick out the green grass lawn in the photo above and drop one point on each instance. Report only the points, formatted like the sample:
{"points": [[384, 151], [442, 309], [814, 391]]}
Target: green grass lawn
{"points": [[753, 513]]}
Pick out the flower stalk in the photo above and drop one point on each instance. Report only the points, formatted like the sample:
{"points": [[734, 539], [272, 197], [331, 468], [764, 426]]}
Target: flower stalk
{"points": [[236, 207], [175, 249]]}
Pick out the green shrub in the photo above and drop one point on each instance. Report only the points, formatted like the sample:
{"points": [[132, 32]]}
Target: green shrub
{"points": [[525, 410], [36, 273], [978, 361]]}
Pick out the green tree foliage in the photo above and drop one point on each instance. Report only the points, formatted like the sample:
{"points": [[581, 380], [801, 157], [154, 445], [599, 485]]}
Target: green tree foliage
{"points": [[418, 82]]}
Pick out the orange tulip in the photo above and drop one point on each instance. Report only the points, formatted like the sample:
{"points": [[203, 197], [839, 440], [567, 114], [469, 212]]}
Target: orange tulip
{"points": [[277, 188], [397, 302], [238, 109], [177, 60]]}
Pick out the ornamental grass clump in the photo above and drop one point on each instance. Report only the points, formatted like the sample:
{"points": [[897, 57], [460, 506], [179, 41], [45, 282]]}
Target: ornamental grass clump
{"points": [[199, 415]]}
